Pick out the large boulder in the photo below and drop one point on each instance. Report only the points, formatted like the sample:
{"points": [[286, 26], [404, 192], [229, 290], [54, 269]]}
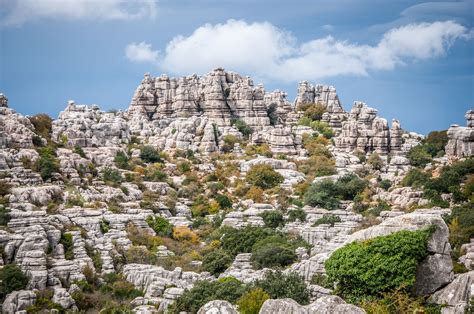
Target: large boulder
{"points": [[217, 307], [457, 295], [18, 301]]}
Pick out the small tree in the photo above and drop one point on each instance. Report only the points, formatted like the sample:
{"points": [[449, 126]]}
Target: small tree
{"points": [[263, 175]]}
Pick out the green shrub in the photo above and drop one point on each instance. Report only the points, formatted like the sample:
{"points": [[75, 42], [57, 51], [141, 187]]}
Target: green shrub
{"points": [[279, 285], [104, 226], [184, 167], [160, 225], [223, 200], [47, 163], [216, 262], [149, 154], [375, 161], [435, 143], [313, 111], [297, 214], [416, 178], [378, 265], [66, 241], [327, 219], [229, 142], [317, 166], [122, 161], [263, 176], [43, 124], [385, 184], [43, 302], [111, 176], [78, 150], [243, 127], [11, 279], [123, 289], [418, 156], [272, 218], [349, 186], [272, 252], [251, 301], [229, 289], [236, 241], [323, 193]]}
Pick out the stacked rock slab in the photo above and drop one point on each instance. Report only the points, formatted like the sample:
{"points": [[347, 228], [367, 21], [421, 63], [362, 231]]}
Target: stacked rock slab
{"points": [[323, 94], [16, 131], [461, 139], [87, 126], [221, 96], [366, 132]]}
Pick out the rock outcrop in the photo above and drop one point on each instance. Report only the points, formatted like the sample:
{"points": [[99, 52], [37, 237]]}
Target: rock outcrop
{"points": [[461, 139], [366, 132], [456, 296], [88, 126]]}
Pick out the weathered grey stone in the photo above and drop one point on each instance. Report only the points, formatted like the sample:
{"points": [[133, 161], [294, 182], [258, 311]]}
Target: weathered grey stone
{"points": [[217, 307], [325, 304], [18, 301], [456, 295], [461, 139]]}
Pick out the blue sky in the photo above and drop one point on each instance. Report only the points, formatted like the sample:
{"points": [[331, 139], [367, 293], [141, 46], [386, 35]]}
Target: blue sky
{"points": [[412, 60]]}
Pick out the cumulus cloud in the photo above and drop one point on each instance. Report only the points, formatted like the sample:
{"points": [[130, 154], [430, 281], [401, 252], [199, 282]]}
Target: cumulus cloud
{"points": [[22, 11], [141, 52], [268, 52]]}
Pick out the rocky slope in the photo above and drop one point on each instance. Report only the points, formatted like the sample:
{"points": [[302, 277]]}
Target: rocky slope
{"points": [[138, 200]]}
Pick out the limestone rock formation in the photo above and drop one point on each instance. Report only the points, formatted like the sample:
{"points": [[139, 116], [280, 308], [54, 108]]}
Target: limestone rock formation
{"points": [[217, 307], [456, 296], [461, 139], [16, 131], [87, 126]]}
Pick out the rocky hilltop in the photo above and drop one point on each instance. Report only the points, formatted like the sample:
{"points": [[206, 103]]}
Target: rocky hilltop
{"points": [[211, 195]]}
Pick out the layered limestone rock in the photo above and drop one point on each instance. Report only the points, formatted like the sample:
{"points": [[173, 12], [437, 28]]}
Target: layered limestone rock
{"points": [[88, 126], [218, 307], [326, 95], [325, 304], [461, 139], [16, 131], [456, 296], [219, 95], [364, 131]]}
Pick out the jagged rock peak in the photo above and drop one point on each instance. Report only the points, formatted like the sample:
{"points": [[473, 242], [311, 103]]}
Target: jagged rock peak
{"points": [[3, 100], [218, 95], [461, 139], [365, 131]]}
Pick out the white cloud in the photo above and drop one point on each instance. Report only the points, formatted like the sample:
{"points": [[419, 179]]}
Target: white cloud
{"points": [[22, 11], [141, 52], [266, 51]]}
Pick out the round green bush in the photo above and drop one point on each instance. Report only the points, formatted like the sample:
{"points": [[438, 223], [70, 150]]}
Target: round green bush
{"points": [[263, 176], [216, 262], [370, 267], [272, 218], [272, 254], [149, 154], [279, 285]]}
